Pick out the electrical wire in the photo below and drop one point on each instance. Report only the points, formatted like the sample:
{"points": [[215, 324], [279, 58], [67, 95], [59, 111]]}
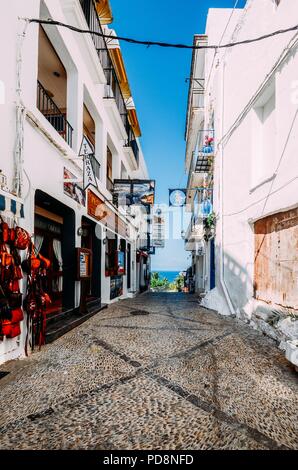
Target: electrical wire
{"points": [[161, 44]]}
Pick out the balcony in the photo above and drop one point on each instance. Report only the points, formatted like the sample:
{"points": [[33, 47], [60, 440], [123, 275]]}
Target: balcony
{"points": [[194, 233], [112, 89], [203, 207], [131, 148], [53, 114], [202, 158]]}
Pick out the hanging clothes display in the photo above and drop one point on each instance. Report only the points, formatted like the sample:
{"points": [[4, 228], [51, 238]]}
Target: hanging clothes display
{"points": [[57, 247]]}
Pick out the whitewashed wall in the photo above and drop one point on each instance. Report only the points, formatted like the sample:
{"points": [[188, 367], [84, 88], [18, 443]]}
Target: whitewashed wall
{"points": [[45, 152], [248, 194]]}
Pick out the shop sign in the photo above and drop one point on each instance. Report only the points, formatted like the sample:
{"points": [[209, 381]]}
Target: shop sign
{"points": [[87, 152], [97, 208], [47, 225], [138, 192], [158, 230], [177, 197]]}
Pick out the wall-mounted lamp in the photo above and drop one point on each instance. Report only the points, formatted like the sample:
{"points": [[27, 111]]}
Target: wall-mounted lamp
{"points": [[82, 232]]}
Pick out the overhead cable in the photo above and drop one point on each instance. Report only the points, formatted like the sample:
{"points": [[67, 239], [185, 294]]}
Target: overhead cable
{"points": [[161, 44]]}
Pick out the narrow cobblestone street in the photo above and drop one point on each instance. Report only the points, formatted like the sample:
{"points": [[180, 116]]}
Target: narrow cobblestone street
{"points": [[155, 372]]}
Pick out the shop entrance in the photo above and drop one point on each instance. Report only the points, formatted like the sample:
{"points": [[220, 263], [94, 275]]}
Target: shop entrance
{"points": [[54, 238], [128, 266], [90, 240]]}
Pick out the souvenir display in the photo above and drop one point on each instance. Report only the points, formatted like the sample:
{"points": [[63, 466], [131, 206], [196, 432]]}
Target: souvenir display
{"points": [[35, 266]]}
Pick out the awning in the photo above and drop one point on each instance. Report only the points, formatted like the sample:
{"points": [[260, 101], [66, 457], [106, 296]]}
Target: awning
{"points": [[133, 120], [11, 204], [119, 66], [104, 11]]}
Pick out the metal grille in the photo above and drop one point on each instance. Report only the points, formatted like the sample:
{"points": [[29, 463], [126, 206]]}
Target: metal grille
{"points": [[52, 113]]}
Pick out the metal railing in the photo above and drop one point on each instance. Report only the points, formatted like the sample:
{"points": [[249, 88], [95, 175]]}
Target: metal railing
{"points": [[112, 90], [132, 142], [53, 114], [204, 152]]}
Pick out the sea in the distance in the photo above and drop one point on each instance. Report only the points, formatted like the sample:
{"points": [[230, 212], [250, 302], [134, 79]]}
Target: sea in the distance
{"points": [[170, 275]]}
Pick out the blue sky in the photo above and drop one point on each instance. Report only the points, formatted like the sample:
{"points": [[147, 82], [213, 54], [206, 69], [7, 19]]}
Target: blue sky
{"points": [[157, 80]]}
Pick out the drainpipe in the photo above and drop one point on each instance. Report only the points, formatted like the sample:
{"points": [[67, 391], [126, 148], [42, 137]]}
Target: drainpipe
{"points": [[222, 279]]}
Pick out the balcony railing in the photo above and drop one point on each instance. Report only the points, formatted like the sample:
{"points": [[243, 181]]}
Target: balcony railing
{"points": [[52, 113], [113, 89], [131, 141], [203, 155]]}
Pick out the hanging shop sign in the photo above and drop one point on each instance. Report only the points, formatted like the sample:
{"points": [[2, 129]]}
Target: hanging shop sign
{"points": [[97, 208], [89, 176], [72, 188], [138, 192], [84, 264], [177, 197], [87, 152], [158, 230]]}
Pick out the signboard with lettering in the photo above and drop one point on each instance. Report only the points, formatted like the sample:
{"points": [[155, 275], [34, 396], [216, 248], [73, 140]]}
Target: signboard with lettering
{"points": [[158, 229], [98, 209], [87, 152]]}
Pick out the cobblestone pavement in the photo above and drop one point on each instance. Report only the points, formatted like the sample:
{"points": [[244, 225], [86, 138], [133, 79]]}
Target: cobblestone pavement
{"points": [[155, 372]]}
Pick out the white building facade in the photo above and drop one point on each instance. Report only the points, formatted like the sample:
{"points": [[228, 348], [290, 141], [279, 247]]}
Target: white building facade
{"points": [[250, 102], [59, 88]]}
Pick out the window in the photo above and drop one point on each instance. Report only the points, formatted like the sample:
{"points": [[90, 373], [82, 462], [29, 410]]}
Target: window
{"points": [[264, 136]]}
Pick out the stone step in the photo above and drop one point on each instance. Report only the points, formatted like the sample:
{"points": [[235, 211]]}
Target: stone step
{"points": [[69, 321]]}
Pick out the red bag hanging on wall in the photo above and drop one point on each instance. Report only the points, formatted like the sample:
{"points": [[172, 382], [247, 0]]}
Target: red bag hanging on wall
{"points": [[17, 315], [11, 330], [22, 239], [4, 231]]}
